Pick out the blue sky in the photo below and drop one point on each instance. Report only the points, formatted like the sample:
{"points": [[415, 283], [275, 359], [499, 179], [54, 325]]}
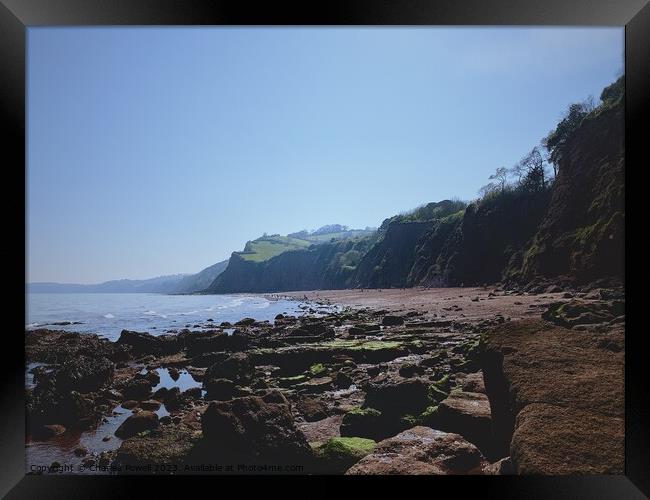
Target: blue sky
{"points": [[156, 151]]}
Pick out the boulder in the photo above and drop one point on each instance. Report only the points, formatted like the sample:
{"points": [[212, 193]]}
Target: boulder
{"points": [[421, 450], [169, 445], [174, 374], [173, 399], [467, 414], [238, 367], [583, 312], [142, 421], [399, 397], [254, 427], [143, 343], [556, 440], [473, 382], [338, 454], [151, 405], [553, 387], [410, 370], [343, 380], [138, 389], [364, 422], [220, 389], [311, 409], [198, 344], [48, 431], [392, 321], [84, 374]]}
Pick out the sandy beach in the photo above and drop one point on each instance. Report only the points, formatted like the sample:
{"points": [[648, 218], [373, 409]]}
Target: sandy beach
{"points": [[452, 303]]}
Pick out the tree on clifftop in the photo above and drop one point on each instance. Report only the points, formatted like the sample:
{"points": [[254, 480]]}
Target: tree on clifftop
{"points": [[501, 176], [533, 166], [555, 141]]}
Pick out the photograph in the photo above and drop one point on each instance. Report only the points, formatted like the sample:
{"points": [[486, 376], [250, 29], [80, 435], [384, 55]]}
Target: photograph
{"points": [[325, 250]]}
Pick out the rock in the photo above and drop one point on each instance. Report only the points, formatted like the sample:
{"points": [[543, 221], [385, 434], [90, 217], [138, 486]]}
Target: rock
{"points": [[208, 359], [170, 445], [245, 322], [174, 374], [392, 320], [321, 430], [84, 374], [80, 452], [138, 389], [398, 397], [150, 405], [312, 409], [142, 343], [160, 394], [501, 468], [198, 344], [152, 376], [173, 399], [410, 370], [141, 421], [193, 393], [238, 367], [48, 431], [529, 362], [342, 380], [467, 414], [316, 385], [421, 450], [338, 454], [555, 440], [130, 404], [364, 422], [580, 312], [252, 427], [434, 360], [473, 382], [219, 388]]}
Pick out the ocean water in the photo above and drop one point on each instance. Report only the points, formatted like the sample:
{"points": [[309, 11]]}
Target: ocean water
{"points": [[107, 314]]}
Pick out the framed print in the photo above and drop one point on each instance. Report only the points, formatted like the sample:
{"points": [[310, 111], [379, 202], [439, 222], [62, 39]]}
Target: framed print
{"points": [[353, 240]]}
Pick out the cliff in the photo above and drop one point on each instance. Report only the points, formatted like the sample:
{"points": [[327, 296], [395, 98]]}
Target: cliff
{"points": [[582, 233]]}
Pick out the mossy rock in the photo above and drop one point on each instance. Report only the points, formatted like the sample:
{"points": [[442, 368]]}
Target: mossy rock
{"points": [[362, 422], [436, 395], [442, 383], [317, 369], [340, 453], [291, 381], [429, 416]]}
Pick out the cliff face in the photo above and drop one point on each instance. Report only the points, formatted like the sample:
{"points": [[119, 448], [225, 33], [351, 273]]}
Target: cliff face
{"points": [[388, 263], [487, 245], [328, 265], [582, 233]]}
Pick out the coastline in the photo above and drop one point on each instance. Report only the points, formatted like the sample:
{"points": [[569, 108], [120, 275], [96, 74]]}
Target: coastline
{"points": [[329, 390]]}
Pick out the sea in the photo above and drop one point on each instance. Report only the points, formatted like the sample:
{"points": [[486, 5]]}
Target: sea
{"points": [[107, 314]]}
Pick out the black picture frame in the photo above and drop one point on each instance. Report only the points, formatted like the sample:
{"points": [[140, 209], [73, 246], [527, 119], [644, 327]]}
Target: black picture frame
{"points": [[17, 15]]}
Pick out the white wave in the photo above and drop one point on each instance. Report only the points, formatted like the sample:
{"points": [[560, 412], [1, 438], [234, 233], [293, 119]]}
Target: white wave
{"points": [[151, 313], [109, 316]]}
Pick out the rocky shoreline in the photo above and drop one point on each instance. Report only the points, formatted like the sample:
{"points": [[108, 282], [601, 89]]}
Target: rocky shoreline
{"points": [[453, 381]]}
